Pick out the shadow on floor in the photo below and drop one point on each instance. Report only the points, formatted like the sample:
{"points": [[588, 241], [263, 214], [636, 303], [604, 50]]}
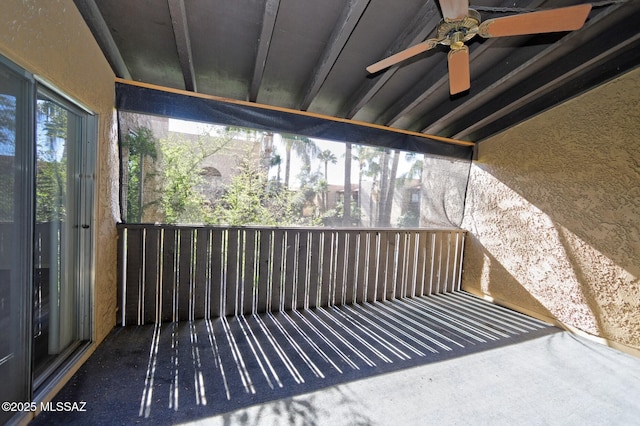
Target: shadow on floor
{"points": [[186, 371]]}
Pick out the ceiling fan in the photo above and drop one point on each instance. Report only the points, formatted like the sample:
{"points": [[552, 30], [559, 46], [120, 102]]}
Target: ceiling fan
{"points": [[461, 24]]}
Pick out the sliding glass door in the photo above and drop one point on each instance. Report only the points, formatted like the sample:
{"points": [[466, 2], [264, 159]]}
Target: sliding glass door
{"points": [[47, 154]]}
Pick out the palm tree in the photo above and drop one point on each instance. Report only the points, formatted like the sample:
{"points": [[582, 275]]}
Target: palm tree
{"points": [[276, 161], [387, 186], [384, 185], [369, 165], [347, 185], [327, 156], [415, 171], [304, 147]]}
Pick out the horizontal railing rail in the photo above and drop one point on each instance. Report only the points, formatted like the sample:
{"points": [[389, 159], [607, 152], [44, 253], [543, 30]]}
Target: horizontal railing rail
{"points": [[176, 273]]}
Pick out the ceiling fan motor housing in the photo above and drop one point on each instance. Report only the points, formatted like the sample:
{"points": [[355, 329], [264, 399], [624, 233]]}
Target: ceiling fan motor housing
{"points": [[454, 33]]}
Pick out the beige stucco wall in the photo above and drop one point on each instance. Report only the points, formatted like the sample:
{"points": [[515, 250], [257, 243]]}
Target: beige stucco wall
{"points": [[553, 211], [50, 39]]}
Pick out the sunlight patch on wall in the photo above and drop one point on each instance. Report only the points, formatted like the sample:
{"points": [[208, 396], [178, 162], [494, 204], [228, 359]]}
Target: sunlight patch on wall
{"points": [[528, 245], [612, 290]]}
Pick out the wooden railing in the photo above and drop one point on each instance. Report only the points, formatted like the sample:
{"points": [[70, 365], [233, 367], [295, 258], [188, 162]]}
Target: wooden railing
{"points": [[175, 273]]}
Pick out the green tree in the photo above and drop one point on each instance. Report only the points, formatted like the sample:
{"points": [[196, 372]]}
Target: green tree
{"points": [[140, 144], [417, 164], [327, 156], [311, 184], [369, 166], [51, 175], [181, 160], [248, 200], [387, 196], [347, 185], [411, 216], [7, 123], [7, 150], [242, 201], [304, 147], [276, 161]]}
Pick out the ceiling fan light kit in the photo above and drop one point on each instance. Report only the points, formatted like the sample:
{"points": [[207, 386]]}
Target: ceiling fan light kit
{"points": [[461, 24]]}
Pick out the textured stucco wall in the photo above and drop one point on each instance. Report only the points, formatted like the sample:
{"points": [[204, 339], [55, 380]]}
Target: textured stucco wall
{"points": [[50, 39], [553, 211]]}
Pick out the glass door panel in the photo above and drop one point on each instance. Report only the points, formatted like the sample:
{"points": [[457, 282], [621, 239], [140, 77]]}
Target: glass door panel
{"points": [[15, 225], [55, 305]]}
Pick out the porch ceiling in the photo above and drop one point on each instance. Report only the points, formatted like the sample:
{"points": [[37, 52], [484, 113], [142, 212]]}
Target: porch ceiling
{"points": [[311, 56]]}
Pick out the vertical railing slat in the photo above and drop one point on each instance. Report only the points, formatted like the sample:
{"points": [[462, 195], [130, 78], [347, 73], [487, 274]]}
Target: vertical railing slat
{"points": [[151, 275], [168, 274], [340, 260], [248, 275], [133, 275], [372, 266], [290, 270], [327, 263], [411, 275], [435, 263], [264, 269], [390, 285], [421, 262], [314, 269], [441, 265], [201, 277], [451, 248], [216, 272], [121, 268], [361, 277], [185, 270], [401, 259], [231, 283], [463, 237], [382, 265], [351, 268], [276, 270], [301, 294]]}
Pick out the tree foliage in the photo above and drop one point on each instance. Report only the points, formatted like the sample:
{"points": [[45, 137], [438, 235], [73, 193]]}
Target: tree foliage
{"points": [[191, 187], [51, 174], [181, 164], [140, 144], [7, 124], [304, 147], [249, 200]]}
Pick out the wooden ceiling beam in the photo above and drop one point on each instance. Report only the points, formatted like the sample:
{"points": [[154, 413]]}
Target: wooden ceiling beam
{"points": [[268, 24], [349, 18], [92, 15], [183, 42]]}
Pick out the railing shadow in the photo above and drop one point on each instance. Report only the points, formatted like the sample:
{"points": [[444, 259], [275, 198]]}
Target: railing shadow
{"points": [[184, 371]]}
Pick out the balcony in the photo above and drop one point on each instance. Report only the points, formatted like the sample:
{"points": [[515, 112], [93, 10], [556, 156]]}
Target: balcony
{"points": [[324, 326]]}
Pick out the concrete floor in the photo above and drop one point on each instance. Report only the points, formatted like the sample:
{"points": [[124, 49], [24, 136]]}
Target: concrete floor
{"points": [[556, 379], [442, 360]]}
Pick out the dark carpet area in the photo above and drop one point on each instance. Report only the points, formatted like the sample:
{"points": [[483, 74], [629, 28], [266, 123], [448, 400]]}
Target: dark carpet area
{"points": [[186, 371]]}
